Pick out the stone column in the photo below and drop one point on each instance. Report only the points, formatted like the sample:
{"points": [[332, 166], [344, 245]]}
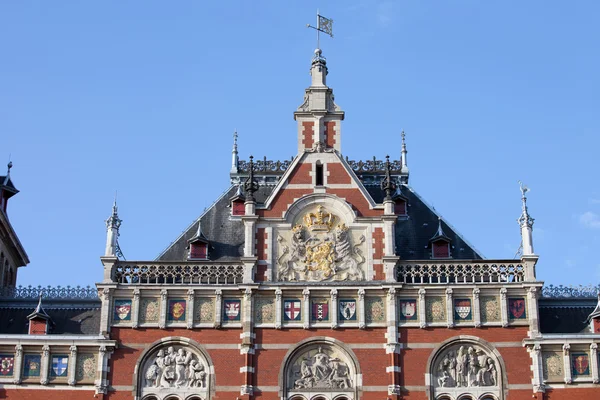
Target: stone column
{"points": [[101, 384], [44, 366], [536, 367], [567, 363], [135, 308], [18, 364], [594, 362], [334, 308], [361, 309], [162, 318], [449, 308], [189, 316], [392, 347], [422, 311], [476, 308], [532, 309], [218, 307], [504, 307], [105, 294], [72, 365], [278, 308], [306, 308], [247, 346]]}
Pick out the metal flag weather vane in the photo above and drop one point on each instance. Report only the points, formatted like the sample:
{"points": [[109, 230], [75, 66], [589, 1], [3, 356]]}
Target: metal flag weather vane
{"points": [[324, 25]]}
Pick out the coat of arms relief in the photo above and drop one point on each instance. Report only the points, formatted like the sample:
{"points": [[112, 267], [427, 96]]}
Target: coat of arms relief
{"points": [[320, 248]]}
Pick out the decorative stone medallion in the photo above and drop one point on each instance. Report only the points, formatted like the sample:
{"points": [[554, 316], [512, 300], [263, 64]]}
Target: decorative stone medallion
{"points": [[490, 309], [408, 309], [204, 309], [580, 364], [552, 365], [7, 364], [176, 310], [174, 369], [374, 309], [517, 308], [85, 369], [318, 369], [122, 311], [149, 310], [462, 310], [319, 310], [435, 309], [320, 249], [264, 310]]}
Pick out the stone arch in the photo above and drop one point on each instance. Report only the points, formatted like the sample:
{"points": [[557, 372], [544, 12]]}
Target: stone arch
{"points": [[466, 367], [174, 368], [321, 368], [329, 201]]}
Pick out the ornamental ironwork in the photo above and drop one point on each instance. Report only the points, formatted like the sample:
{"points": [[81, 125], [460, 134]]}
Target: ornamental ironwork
{"points": [[264, 166], [49, 292], [575, 292], [473, 272], [141, 273], [374, 166]]}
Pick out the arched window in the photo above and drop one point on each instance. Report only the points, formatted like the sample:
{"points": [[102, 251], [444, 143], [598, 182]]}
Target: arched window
{"points": [[174, 370], [466, 369], [319, 368]]}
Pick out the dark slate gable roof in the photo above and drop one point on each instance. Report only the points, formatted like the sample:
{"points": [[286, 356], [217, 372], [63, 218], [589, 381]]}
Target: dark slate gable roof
{"points": [[564, 315], [226, 233], [413, 233], [68, 318]]}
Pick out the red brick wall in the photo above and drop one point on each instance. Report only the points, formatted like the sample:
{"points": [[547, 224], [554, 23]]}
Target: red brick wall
{"points": [[357, 200], [307, 134], [330, 133], [24, 394], [301, 175], [37, 327], [281, 202], [261, 252], [337, 174]]}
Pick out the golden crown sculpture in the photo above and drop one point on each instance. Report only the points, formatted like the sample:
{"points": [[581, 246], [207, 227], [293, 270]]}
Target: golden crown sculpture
{"points": [[320, 221]]}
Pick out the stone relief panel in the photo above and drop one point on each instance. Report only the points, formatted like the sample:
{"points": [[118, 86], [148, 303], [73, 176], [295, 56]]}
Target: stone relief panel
{"points": [[374, 309], [552, 366], [204, 309], [319, 368], [490, 309], [435, 307], [149, 310], [85, 367], [467, 368], [174, 369], [264, 310], [319, 247]]}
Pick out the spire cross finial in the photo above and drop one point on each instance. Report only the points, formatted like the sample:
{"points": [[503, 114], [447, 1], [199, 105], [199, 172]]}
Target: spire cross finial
{"points": [[324, 25], [388, 185], [251, 185]]}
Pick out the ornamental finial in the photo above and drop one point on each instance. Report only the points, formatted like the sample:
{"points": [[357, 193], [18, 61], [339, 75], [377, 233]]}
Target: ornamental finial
{"points": [[404, 152], [251, 185], [113, 223], [234, 154], [387, 184], [526, 223]]}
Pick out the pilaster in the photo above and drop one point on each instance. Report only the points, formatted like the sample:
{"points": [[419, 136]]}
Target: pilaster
{"points": [[536, 368], [105, 294], [476, 308], [422, 312], [567, 363], [189, 315], [594, 362], [504, 307], [18, 364], [72, 365], [108, 262], [532, 305], [361, 309], [306, 308], [44, 367], [135, 308], [278, 308], [334, 308], [218, 308], [449, 308], [162, 318], [392, 347]]}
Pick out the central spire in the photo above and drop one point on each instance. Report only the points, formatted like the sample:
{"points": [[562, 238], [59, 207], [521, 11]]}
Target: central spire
{"points": [[319, 118]]}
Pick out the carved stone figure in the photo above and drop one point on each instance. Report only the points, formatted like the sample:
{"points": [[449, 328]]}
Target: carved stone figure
{"points": [[321, 370], [467, 367], [179, 368], [324, 255]]}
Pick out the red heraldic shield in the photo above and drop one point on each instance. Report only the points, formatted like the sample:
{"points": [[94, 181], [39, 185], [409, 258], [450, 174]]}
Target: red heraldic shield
{"points": [[516, 308], [320, 311]]}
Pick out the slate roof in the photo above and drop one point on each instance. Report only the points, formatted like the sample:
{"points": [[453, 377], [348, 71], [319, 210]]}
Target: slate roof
{"points": [[564, 315], [68, 317], [226, 233], [9, 185]]}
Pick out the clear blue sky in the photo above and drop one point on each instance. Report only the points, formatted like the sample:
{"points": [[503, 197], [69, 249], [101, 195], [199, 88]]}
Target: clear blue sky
{"points": [[143, 97]]}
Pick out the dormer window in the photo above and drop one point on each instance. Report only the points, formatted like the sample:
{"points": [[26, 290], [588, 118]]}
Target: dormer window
{"points": [[238, 207], [199, 250], [440, 249], [400, 207]]}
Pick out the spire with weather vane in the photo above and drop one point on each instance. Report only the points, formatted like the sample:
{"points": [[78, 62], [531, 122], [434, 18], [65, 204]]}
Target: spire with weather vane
{"points": [[234, 154], [113, 223], [526, 223]]}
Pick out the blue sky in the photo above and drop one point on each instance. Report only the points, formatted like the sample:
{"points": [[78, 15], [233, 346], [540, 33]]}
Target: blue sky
{"points": [[143, 97]]}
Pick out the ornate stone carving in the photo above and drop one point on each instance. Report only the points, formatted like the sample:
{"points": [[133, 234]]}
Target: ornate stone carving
{"points": [[177, 369], [320, 252], [320, 369], [464, 366]]}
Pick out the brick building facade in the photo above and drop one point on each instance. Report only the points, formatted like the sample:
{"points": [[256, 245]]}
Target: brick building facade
{"points": [[315, 278]]}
